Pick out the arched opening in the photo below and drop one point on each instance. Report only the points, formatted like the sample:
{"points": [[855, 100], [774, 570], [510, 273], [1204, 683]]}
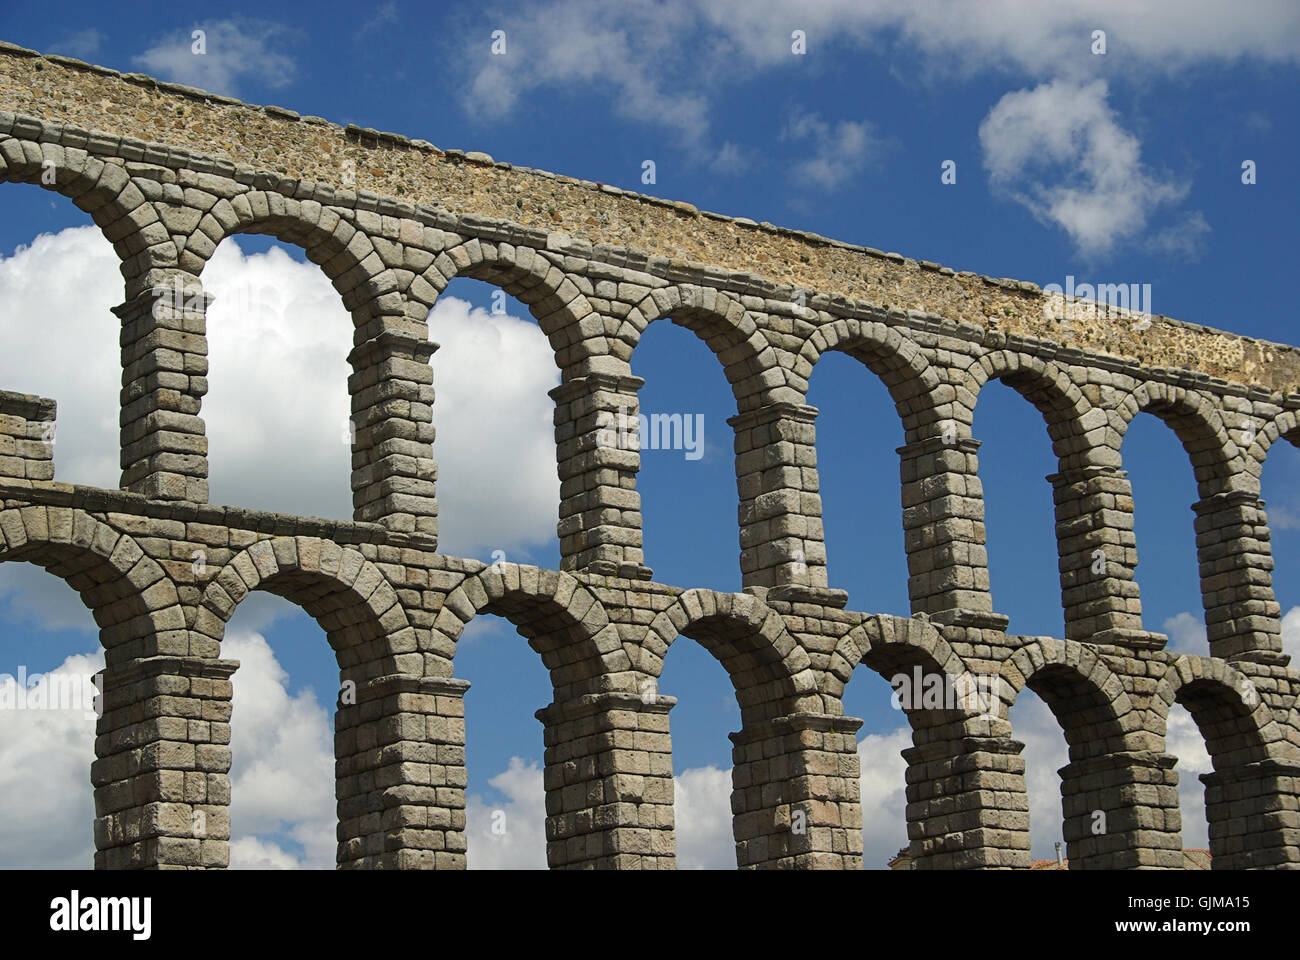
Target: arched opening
{"points": [[49, 651], [283, 812], [913, 747], [687, 480], [1250, 759], [276, 412], [567, 627], [59, 280], [1015, 458], [881, 701], [767, 672], [356, 606], [858, 433], [1168, 573], [705, 713], [505, 794], [1280, 485], [1183, 740], [63, 711], [1045, 752], [498, 488], [1090, 816]]}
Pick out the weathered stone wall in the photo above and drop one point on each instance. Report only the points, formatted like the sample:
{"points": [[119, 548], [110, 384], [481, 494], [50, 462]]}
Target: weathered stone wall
{"points": [[167, 173]]}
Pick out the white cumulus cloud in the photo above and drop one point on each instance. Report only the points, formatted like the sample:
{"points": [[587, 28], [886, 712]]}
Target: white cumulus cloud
{"points": [[282, 763], [228, 53], [45, 758], [1059, 151], [1291, 635], [839, 150], [1186, 632], [1012, 35], [702, 819], [622, 49], [666, 62], [884, 796], [282, 774], [510, 835]]}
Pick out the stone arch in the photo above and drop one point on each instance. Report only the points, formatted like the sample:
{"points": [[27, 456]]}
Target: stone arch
{"points": [[345, 252], [559, 617], [943, 736], [134, 602], [748, 360], [913, 383], [1079, 431], [378, 657], [770, 670], [1086, 447], [1237, 724], [105, 191], [889, 645], [1284, 426], [1086, 697], [1195, 419], [1118, 796], [883, 643], [1253, 755], [344, 592], [561, 310]]}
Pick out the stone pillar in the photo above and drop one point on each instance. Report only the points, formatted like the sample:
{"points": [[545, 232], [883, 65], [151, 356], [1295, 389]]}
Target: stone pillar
{"points": [[597, 448], [609, 782], [164, 377], [162, 767], [1121, 812], [400, 760], [26, 436], [967, 807], [1098, 557], [782, 542], [1254, 815], [943, 530], [796, 793], [393, 471], [1242, 617]]}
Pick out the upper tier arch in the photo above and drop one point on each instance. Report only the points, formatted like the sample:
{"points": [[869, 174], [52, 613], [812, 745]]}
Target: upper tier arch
{"points": [[104, 190]]}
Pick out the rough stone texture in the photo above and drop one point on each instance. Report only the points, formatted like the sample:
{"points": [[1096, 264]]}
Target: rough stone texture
{"points": [[168, 172]]}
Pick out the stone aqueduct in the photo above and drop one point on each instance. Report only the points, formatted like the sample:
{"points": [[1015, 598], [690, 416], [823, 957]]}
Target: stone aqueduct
{"points": [[167, 172]]}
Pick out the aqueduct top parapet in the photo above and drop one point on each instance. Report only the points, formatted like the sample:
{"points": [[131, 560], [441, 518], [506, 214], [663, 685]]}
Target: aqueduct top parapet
{"points": [[673, 238]]}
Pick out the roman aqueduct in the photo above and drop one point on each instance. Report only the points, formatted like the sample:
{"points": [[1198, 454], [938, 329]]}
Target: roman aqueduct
{"points": [[167, 172]]}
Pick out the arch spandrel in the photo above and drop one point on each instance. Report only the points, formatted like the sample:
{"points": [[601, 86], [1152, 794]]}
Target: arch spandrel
{"points": [[1080, 433], [1284, 426], [573, 329]]}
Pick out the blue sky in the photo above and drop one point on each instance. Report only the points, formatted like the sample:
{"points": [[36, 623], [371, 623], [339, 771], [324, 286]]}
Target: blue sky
{"points": [[1122, 167]]}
